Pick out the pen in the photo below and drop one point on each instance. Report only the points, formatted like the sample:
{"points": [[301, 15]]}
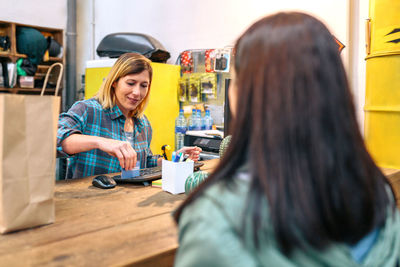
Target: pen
{"points": [[181, 157], [178, 157], [173, 156]]}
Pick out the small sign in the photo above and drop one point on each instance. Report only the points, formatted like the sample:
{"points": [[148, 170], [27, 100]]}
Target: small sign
{"points": [[339, 43]]}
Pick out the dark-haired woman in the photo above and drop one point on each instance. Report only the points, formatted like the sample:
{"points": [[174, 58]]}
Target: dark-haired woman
{"points": [[296, 186]]}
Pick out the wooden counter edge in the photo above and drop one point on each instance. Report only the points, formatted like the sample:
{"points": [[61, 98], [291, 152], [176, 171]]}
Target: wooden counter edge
{"points": [[165, 259], [393, 176]]}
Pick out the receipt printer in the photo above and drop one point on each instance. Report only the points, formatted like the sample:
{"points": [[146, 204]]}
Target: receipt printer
{"points": [[208, 141]]}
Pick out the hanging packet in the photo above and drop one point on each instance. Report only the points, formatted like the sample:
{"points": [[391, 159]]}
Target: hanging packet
{"points": [[194, 88], [208, 86], [183, 88]]}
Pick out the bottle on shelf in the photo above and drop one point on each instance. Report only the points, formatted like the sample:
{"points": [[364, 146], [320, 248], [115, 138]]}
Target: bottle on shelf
{"points": [[198, 120], [191, 121], [180, 130], [207, 121], [203, 122]]}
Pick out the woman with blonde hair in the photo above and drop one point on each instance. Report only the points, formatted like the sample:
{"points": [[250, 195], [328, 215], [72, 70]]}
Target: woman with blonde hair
{"points": [[296, 186], [110, 131]]}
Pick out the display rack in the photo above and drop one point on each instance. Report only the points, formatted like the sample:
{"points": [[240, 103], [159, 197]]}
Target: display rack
{"points": [[11, 55], [200, 62]]}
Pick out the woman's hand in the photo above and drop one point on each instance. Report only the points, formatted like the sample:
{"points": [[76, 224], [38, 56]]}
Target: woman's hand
{"points": [[192, 151], [77, 143], [122, 150]]}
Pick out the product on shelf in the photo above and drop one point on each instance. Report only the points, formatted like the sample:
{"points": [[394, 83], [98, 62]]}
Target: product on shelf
{"points": [[194, 88], [183, 88], [186, 62], [208, 86]]}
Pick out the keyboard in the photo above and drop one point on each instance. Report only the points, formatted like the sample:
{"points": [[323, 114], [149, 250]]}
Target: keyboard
{"points": [[148, 174]]}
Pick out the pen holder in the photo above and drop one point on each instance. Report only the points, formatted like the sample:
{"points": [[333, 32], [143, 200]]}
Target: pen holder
{"points": [[174, 175]]}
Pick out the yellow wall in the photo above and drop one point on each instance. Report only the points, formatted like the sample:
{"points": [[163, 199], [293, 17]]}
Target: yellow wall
{"points": [[163, 106]]}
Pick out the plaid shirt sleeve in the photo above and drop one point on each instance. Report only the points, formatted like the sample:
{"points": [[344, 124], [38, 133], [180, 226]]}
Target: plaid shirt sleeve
{"points": [[69, 123]]}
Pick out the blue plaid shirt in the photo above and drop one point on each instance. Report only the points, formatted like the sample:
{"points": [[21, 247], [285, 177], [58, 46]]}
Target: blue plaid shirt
{"points": [[89, 118]]}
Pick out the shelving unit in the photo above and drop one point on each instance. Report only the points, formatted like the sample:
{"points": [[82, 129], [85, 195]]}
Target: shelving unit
{"points": [[12, 55]]}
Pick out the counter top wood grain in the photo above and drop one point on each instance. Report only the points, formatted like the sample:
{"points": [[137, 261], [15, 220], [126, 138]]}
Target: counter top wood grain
{"points": [[129, 224], [126, 225]]}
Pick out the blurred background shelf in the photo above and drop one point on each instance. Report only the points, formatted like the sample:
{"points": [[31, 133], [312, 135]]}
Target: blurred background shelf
{"points": [[33, 91], [12, 55]]}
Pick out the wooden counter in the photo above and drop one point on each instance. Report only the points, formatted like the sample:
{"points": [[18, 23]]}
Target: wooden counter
{"points": [[94, 227], [393, 176], [130, 224], [209, 165]]}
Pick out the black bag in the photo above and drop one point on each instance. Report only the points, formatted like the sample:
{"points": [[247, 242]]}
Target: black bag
{"points": [[53, 46], [5, 73], [5, 43], [28, 67]]}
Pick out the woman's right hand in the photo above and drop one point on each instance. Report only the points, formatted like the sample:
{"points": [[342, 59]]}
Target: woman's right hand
{"points": [[122, 150], [77, 143]]}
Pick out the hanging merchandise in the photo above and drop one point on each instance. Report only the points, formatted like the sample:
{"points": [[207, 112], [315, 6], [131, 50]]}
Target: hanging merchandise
{"points": [[208, 86], [183, 88], [222, 60], [210, 60], [186, 62], [194, 88]]}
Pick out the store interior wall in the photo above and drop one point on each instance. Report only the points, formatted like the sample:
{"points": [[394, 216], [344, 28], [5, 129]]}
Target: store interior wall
{"points": [[44, 13], [184, 24], [191, 24], [357, 78]]}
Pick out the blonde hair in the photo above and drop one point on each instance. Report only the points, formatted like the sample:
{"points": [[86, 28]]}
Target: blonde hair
{"points": [[128, 63]]}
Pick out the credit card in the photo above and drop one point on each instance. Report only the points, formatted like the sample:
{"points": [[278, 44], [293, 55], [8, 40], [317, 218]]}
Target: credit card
{"points": [[131, 173]]}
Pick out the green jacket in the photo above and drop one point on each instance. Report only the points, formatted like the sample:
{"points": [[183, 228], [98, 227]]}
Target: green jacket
{"points": [[210, 227]]}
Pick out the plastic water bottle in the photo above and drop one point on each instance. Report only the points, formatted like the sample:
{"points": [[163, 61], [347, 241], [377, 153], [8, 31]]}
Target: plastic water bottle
{"points": [[203, 122], [191, 121], [207, 121], [180, 130], [198, 120]]}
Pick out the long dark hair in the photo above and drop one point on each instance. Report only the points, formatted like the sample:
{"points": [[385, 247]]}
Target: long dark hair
{"points": [[296, 127]]}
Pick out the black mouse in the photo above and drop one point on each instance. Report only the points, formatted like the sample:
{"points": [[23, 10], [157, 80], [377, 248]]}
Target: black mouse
{"points": [[104, 182]]}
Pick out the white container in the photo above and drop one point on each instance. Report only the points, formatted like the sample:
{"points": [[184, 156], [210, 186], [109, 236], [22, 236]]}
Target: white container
{"points": [[174, 175], [26, 81]]}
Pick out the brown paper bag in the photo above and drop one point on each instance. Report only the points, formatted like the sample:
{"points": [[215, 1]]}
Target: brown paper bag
{"points": [[28, 128]]}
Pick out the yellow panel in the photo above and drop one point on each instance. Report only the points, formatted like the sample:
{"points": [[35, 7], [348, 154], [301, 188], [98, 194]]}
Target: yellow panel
{"points": [[382, 93], [382, 136], [163, 105], [383, 82], [385, 17], [93, 79]]}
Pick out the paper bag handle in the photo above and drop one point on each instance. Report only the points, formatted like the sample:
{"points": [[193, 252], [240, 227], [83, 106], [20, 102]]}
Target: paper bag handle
{"points": [[58, 79]]}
